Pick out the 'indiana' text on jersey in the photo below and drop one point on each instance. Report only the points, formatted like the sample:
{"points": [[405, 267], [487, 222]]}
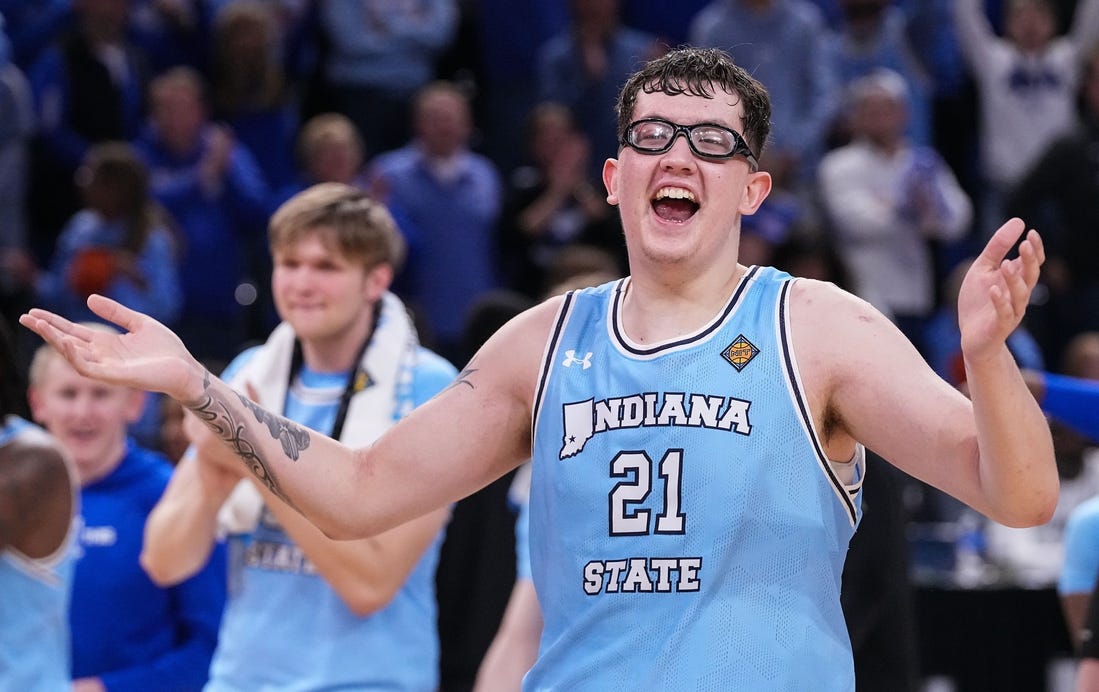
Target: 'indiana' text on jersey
{"points": [[687, 531], [585, 418]]}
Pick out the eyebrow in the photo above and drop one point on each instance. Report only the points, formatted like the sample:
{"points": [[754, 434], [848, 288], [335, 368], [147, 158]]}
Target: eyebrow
{"points": [[733, 127]]}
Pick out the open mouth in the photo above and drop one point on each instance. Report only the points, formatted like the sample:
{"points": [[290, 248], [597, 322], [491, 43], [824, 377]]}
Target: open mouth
{"points": [[674, 204], [79, 438]]}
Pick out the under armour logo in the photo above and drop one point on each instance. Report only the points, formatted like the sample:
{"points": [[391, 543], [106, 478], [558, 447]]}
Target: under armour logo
{"points": [[571, 359]]}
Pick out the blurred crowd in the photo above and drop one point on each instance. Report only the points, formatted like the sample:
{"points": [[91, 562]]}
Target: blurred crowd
{"points": [[145, 144]]}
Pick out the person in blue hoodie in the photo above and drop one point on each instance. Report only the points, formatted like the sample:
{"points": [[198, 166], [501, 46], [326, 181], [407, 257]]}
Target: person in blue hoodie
{"points": [[127, 633]]}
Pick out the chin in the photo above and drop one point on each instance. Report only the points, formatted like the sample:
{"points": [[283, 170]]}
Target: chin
{"points": [[667, 250], [307, 327], [86, 468]]}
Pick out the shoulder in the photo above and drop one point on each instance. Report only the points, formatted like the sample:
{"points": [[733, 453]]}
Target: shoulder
{"points": [[834, 332], [394, 161], [843, 159], [812, 295], [81, 228], [17, 433], [829, 321], [513, 354], [483, 165], [529, 330], [238, 363]]}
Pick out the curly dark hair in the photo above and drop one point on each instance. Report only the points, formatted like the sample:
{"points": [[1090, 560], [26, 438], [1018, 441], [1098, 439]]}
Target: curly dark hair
{"points": [[697, 72]]}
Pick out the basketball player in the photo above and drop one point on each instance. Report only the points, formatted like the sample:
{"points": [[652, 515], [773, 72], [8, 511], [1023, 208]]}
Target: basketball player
{"points": [[696, 429]]}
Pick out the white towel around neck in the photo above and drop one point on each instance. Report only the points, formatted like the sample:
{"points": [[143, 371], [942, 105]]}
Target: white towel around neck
{"points": [[388, 362]]}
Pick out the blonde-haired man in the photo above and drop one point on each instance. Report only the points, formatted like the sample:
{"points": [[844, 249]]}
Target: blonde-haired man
{"points": [[307, 612]]}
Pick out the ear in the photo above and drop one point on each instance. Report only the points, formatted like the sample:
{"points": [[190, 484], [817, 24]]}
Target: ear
{"points": [[37, 405], [378, 281], [610, 180], [756, 189], [135, 405]]}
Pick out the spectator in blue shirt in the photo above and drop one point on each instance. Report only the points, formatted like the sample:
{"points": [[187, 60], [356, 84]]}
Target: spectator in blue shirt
{"points": [[453, 197], [213, 188]]}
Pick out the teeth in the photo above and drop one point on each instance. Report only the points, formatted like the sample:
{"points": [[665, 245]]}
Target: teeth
{"points": [[674, 193]]}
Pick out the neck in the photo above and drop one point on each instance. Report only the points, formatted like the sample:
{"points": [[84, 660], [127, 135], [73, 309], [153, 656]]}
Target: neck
{"points": [[889, 145], [658, 311], [90, 474], [338, 353]]}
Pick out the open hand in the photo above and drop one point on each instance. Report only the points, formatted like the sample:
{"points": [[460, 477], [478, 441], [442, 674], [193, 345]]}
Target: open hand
{"points": [[147, 355], [996, 290]]}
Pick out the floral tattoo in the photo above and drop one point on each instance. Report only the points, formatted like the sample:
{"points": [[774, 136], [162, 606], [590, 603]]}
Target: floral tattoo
{"points": [[219, 417]]}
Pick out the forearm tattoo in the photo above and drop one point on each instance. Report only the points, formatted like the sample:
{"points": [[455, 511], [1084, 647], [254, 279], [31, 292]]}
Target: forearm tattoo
{"points": [[218, 416]]}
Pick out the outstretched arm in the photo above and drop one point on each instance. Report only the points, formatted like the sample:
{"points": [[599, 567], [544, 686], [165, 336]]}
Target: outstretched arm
{"points": [[471, 433], [993, 451]]}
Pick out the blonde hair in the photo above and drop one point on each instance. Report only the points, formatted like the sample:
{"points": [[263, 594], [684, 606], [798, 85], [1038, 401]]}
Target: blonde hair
{"points": [[359, 226]]}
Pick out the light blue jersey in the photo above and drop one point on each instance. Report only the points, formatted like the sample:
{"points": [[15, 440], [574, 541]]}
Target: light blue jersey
{"points": [[34, 608], [1081, 541], [687, 532], [284, 627]]}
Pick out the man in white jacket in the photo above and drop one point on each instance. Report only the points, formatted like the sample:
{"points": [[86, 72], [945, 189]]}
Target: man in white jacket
{"points": [[886, 199]]}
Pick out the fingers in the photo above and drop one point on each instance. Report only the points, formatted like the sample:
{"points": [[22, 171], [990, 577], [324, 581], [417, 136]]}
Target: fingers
{"points": [[44, 323], [51, 328], [59, 333], [115, 312], [1018, 290], [1001, 242], [1022, 272], [79, 345], [1032, 252], [1001, 303]]}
